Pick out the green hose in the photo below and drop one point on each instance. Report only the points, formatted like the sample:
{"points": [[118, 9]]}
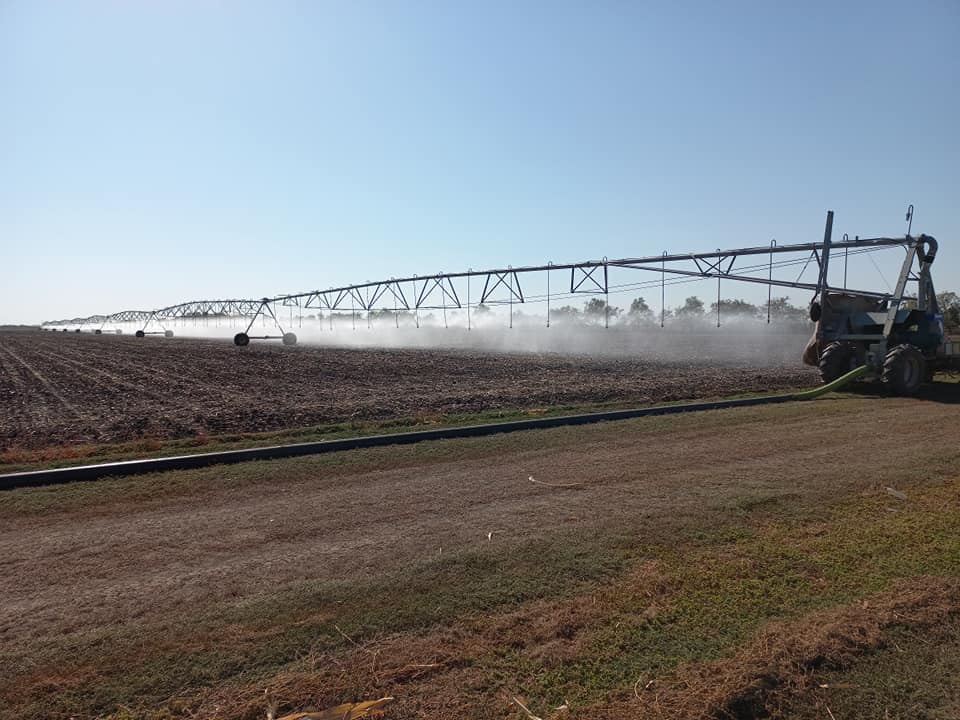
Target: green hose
{"points": [[854, 374]]}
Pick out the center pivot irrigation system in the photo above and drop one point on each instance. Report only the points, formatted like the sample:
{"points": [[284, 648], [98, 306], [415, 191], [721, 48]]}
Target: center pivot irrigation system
{"points": [[898, 334]]}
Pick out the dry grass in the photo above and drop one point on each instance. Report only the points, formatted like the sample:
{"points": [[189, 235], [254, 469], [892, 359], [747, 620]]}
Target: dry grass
{"points": [[174, 596], [784, 661]]}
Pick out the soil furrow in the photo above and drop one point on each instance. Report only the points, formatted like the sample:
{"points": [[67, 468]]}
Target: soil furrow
{"points": [[109, 379], [46, 385]]}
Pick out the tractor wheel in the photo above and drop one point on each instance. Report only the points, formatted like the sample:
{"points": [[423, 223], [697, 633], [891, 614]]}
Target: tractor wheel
{"points": [[241, 339], [289, 339], [904, 370], [836, 360], [140, 333]]}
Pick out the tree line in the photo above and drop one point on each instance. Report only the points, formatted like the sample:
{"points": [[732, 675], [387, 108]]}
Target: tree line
{"points": [[595, 310], [693, 308]]}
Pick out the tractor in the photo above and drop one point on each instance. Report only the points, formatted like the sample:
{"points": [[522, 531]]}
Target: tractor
{"points": [[901, 340]]}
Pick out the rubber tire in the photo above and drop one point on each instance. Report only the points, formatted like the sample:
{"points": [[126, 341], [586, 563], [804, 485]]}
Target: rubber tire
{"points": [[241, 339], [98, 331], [904, 370], [836, 360], [168, 333], [289, 338], [140, 333]]}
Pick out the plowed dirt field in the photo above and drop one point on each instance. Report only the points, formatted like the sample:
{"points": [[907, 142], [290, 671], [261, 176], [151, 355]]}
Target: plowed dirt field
{"points": [[71, 388]]}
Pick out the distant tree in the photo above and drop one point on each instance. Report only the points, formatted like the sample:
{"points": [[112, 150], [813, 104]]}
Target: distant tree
{"points": [[692, 307], [388, 314], [596, 310], [781, 308], [566, 312], [949, 304], [639, 310], [734, 308], [594, 307]]}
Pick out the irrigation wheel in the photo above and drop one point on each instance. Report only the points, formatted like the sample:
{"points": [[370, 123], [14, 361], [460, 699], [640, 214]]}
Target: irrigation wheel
{"points": [[241, 339], [836, 360], [904, 370], [289, 338]]}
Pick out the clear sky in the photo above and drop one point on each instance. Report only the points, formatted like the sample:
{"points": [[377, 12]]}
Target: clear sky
{"points": [[154, 152]]}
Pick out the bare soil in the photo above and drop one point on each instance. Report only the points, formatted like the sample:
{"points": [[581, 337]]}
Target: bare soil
{"points": [[61, 388]]}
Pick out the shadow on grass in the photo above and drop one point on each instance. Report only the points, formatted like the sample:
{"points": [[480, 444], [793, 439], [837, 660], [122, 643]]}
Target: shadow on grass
{"points": [[939, 391]]}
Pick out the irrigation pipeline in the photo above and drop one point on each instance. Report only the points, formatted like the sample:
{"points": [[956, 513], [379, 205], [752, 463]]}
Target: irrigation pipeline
{"points": [[59, 476]]}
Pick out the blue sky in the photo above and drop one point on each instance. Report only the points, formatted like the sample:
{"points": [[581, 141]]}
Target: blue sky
{"points": [[153, 152]]}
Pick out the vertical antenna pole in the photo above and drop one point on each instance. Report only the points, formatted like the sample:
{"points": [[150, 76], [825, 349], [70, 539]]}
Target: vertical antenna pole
{"points": [[773, 244], [824, 268], [846, 259], [549, 263], [606, 296], [510, 270], [718, 291], [822, 282], [663, 290], [416, 303], [443, 299]]}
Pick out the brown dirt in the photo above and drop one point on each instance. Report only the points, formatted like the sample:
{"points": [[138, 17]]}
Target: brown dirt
{"points": [[120, 561], [61, 388]]}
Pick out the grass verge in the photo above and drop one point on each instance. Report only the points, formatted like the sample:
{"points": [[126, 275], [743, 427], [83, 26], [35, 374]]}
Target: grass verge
{"points": [[571, 619]]}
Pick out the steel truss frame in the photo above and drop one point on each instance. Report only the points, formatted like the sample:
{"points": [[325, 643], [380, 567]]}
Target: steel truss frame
{"points": [[504, 286]]}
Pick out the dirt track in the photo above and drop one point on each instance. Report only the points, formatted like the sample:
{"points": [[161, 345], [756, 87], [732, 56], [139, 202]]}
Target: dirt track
{"points": [[69, 388]]}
